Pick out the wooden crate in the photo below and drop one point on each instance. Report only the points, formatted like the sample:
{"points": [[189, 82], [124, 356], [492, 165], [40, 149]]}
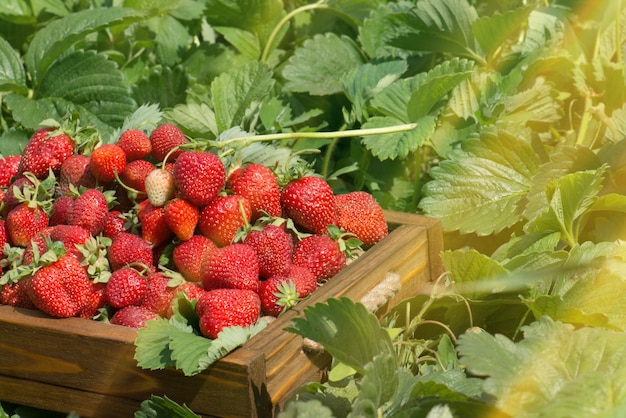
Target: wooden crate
{"points": [[88, 367]]}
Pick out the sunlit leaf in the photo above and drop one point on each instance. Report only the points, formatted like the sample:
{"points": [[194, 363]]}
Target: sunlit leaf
{"points": [[479, 190], [467, 268], [398, 144], [546, 373], [350, 333]]}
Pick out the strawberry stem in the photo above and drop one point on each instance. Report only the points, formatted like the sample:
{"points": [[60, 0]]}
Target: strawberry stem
{"points": [[247, 140]]}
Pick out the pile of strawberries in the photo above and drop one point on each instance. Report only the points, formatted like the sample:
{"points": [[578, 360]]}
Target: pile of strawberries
{"points": [[115, 231]]}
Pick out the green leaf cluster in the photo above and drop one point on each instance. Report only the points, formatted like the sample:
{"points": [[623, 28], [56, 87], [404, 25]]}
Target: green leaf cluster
{"points": [[177, 341]]}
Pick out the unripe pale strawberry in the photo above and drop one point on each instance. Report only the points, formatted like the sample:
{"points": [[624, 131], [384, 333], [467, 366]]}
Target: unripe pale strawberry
{"points": [[160, 186]]}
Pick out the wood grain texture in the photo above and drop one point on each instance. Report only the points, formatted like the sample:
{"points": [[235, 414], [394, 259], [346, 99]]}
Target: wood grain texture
{"points": [[88, 367]]}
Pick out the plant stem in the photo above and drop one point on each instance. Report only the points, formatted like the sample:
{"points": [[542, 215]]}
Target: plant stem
{"points": [[317, 135], [270, 40]]}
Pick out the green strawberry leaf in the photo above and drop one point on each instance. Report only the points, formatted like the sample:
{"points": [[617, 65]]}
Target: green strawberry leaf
{"points": [[569, 198], [578, 368], [229, 339], [442, 26], [244, 41], [12, 74], [145, 118], [256, 16], [189, 351], [84, 82], [382, 26], [365, 81], [381, 383], [163, 407], [237, 95], [152, 345], [54, 39], [493, 31], [566, 160], [474, 274], [436, 84], [350, 333], [196, 120], [398, 144], [306, 72], [479, 189], [306, 409]]}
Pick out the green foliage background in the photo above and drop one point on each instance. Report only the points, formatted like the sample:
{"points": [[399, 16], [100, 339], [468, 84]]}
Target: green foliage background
{"points": [[505, 119]]}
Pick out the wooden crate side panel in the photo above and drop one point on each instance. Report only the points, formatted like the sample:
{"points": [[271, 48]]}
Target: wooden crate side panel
{"points": [[398, 253], [65, 400], [43, 352]]}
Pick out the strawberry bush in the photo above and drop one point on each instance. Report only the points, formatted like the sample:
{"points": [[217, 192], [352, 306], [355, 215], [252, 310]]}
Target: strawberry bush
{"points": [[504, 119]]}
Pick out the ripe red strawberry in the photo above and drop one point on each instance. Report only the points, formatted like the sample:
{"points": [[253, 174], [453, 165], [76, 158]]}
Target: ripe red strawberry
{"points": [[220, 308], [135, 173], [310, 202], [128, 248], [159, 293], [274, 248], [281, 292], [89, 210], [46, 149], [24, 222], [188, 256], [154, 227], [96, 300], [235, 266], [135, 143], [321, 254], [9, 167], [60, 289], [221, 219], [114, 223], [11, 199], [160, 186], [126, 286], [71, 236], [182, 218], [164, 139], [76, 171], [258, 184], [360, 214], [16, 294], [60, 208], [192, 290], [106, 161], [4, 238], [40, 241], [199, 176], [132, 316]]}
